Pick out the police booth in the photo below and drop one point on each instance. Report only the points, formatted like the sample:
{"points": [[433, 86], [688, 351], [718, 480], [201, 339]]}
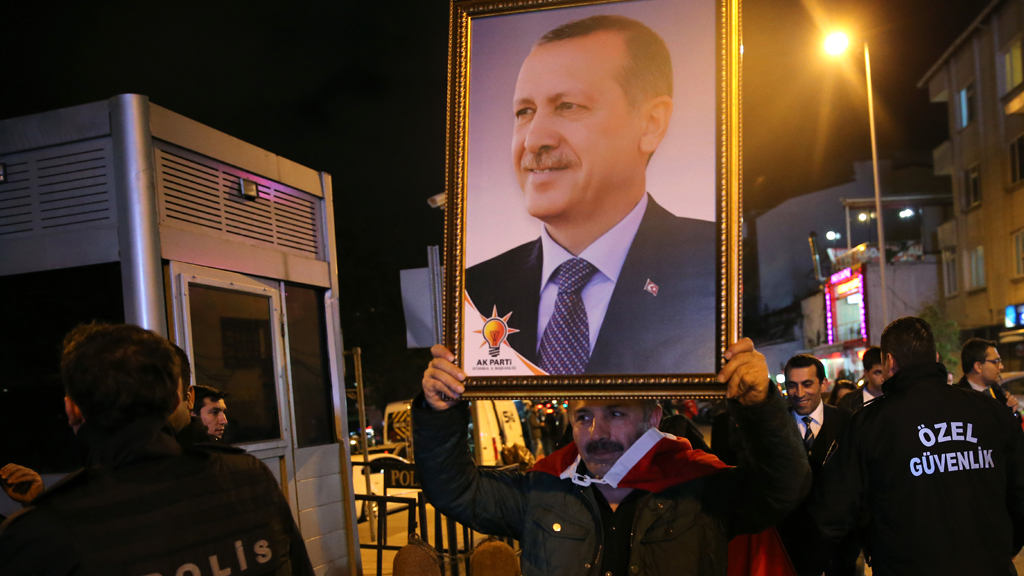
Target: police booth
{"points": [[123, 211]]}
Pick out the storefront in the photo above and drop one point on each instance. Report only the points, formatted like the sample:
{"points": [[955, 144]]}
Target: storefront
{"points": [[846, 323]]}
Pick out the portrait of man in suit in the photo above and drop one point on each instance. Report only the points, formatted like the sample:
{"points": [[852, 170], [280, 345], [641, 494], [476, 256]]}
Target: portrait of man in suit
{"points": [[614, 283]]}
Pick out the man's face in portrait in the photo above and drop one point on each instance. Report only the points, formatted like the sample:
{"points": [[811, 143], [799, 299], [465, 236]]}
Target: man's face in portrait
{"points": [[580, 147], [604, 429]]}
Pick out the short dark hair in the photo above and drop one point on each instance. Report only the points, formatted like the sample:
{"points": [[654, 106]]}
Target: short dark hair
{"points": [[648, 70], [803, 361], [833, 396], [909, 341], [186, 370], [872, 357], [119, 373], [974, 351], [204, 392]]}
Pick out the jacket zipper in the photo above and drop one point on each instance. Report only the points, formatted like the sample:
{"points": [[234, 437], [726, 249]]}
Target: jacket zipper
{"points": [[596, 566]]}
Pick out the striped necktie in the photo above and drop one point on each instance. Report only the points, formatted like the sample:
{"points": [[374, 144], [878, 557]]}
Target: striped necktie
{"points": [[808, 434], [565, 346]]}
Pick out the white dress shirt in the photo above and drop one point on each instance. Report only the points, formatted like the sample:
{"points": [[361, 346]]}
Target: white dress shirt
{"points": [[607, 254], [817, 417], [868, 396]]}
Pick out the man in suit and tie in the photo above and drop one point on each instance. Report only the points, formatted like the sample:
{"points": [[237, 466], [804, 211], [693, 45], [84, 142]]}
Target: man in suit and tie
{"points": [[982, 368], [615, 283], [819, 425], [872, 387]]}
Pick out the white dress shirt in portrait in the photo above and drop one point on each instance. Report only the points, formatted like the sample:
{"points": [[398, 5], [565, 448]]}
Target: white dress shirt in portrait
{"points": [[607, 254]]}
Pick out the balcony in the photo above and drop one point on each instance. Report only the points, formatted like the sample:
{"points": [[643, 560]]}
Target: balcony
{"points": [[942, 159]]}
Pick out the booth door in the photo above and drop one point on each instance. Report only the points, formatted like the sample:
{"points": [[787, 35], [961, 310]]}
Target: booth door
{"points": [[231, 326]]}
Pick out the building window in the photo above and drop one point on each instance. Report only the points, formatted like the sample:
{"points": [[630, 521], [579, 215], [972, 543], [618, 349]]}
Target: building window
{"points": [[976, 268], [1018, 253], [972, 186], [949, 272], [1013, 73], [1017, 159], [967, 105]]}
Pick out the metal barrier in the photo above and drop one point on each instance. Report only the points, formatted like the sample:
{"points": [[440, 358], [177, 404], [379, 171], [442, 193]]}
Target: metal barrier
{"points": [[447, 547]]}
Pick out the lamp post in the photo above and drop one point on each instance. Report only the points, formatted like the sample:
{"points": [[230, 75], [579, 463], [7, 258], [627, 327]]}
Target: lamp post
{"points": [[835, 45]]}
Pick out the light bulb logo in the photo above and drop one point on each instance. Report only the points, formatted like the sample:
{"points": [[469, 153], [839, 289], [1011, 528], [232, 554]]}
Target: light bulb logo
{"points": [[494, 331]]}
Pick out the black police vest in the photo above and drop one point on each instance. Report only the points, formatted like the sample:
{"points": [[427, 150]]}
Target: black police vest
{"points": [[189, 515]]}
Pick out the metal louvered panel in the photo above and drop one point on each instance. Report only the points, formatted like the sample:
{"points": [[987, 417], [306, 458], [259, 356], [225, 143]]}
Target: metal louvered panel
{"points": [[59, 187], [200, 192]]}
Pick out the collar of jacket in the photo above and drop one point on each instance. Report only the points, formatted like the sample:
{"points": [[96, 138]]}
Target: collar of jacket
{"points": [[929, 371], [143, 440]]}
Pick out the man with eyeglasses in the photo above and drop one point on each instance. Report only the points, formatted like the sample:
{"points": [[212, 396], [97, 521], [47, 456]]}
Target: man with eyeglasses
{"points": [[982, 366]]}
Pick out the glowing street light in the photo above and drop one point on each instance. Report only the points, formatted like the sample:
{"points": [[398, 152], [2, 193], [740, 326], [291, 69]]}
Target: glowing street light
{"points": [[906, 213], [832, 235], [835, 44], [863, 217]]}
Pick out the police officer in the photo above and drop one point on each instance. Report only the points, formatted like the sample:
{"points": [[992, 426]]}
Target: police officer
{"points": [[939, 468], [143, 506]]}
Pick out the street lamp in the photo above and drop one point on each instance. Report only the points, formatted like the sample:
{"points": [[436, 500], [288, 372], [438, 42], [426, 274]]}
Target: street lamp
{"points": [[835, 44]]}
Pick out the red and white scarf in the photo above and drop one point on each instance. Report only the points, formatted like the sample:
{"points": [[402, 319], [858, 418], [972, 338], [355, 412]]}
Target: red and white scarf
{"points": [[658, 461]]}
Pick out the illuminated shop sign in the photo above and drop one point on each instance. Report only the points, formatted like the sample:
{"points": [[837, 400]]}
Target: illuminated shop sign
{"points": [[1015, 316], [845, 307]]}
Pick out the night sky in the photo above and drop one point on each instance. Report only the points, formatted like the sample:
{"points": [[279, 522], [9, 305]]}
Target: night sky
{"points": [[358, 89]]}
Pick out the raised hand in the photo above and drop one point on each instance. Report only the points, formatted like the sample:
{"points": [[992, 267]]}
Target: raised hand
{"points": [[442, 379], [746, 373], [21, 484]]}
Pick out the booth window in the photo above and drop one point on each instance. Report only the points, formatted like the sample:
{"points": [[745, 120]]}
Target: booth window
{"points": [[233, 351], [38, 310], [310, 368]]}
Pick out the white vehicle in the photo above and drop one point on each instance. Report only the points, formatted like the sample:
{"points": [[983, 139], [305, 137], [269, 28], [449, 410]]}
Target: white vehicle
{"points": [[495, 424]]}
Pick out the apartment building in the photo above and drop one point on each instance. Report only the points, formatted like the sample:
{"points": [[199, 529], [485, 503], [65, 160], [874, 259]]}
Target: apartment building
{"points": [[981, 79]]}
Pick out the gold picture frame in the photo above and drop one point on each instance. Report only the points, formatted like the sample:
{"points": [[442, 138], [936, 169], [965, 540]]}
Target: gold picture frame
{"points": [[728, 208]]}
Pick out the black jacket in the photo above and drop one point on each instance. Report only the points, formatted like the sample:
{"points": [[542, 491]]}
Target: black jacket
{"points": [[998, 392], [682, 531], [143, 506], [196, 433], [641, 332], [793, 529], [853, 401], [941, 470]]}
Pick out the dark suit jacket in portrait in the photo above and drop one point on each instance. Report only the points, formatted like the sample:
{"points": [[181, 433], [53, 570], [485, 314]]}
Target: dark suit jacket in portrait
{"points": [[671, 333]]}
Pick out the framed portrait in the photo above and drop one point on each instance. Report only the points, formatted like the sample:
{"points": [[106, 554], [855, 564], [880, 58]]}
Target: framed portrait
{"points": [[593, 175]]}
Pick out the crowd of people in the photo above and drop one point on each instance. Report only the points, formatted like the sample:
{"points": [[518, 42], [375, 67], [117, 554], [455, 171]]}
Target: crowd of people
{"points": [[916, 475]]}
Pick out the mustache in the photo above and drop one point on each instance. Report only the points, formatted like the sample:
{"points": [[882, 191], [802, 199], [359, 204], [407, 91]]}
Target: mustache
{"points": [[547, 160], [604, 445]]}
